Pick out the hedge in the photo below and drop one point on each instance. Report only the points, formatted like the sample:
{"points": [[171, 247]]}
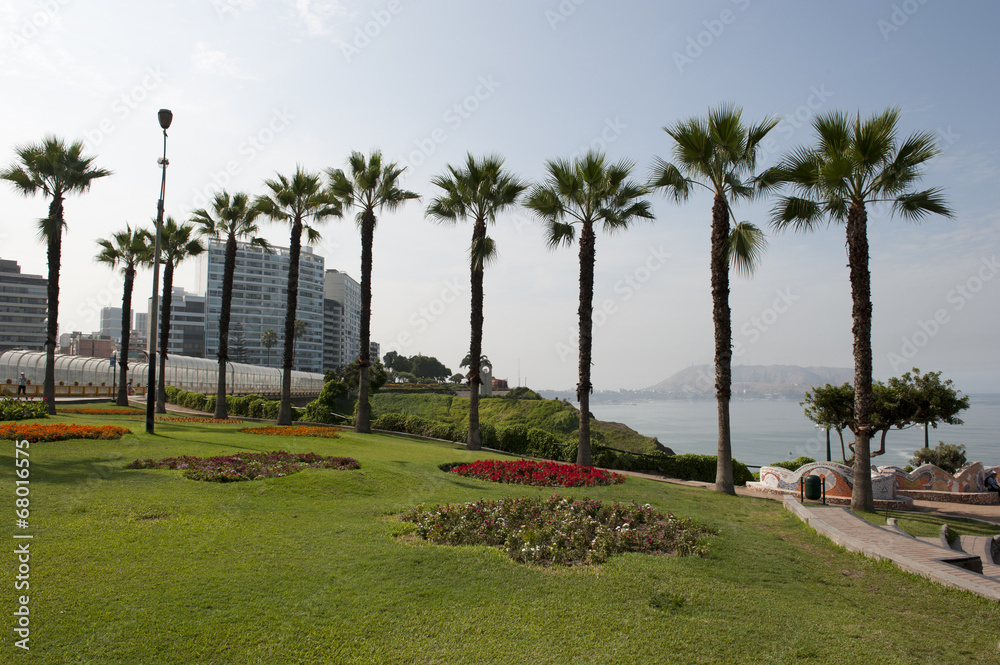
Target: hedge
{"points": [[250, 406]]}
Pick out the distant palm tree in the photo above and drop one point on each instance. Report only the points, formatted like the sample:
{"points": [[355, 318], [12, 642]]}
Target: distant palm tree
{"points": [[128, 250], [302, 202], [855, 163], [587, 192], [234, 218], [176, 245], [478, 190], [55, 170], [369, 186], [719, 154], [268, 339]]}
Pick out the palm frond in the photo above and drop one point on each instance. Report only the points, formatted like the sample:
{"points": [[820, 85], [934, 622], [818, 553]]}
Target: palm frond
{"points": [[745, 248]]}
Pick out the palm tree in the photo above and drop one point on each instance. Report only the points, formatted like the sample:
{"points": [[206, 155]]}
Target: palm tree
{"points": [[128, 250], [268, 338], [176, 244], [719, 154], [235, 218], [479, 190], [369, 186], [587, 192], [300, 201], [855, 163], [55, 170]]}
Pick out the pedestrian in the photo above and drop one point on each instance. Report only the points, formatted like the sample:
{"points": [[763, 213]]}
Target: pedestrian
{"points": [[131, 391], [991, 483], [22, 386]]}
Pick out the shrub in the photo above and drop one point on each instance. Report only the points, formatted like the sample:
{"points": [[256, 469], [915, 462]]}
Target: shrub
{"points": [[794, 465], [522, 392], [948, 456], [559, 531], [20, 409]]}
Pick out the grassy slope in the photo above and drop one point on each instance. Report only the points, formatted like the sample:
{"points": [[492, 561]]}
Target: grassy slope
{"points": [[314, 568], [553, 416]]}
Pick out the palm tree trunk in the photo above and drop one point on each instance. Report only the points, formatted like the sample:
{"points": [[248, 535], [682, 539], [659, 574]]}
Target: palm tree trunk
{"points": [[862, 497], [476, 343], [52, 328], [588, 257], [288, 357], [722, 317], [122, 399], [165, 306], [229, 269], [362, 423]]}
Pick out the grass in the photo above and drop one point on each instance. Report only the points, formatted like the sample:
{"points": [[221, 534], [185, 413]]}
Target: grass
{"points": [[920, 525], [144, 566]]}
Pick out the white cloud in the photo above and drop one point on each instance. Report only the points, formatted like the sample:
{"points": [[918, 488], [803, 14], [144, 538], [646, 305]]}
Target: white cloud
{"points": [[316, 15], [217, 62]]}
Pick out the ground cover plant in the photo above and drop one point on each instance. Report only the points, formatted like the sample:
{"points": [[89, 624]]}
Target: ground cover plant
{"points": [[293, 430], [246, 466], [540, 474], [317, 567], [22, 409], [560, 530], [35, 432]]}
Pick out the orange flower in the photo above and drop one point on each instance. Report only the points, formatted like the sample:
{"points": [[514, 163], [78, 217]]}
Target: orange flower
{"points": [[35, 432], [293, 430]]}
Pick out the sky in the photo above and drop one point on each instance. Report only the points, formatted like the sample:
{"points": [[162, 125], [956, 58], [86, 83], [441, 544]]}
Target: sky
{"points": [[257, 88]]}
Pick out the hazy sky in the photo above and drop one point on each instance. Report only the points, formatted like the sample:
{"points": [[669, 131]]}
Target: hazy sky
{"points": [[257, 87]]}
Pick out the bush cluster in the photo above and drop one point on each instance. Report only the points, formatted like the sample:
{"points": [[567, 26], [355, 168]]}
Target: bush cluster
{"points": [[794, 465], [539, 474], [559, 531], [416, 388], [533, 442], [948, 456], [22, 409], [250, 406]]}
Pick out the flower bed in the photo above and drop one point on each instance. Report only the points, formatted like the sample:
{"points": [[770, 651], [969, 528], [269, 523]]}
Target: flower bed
{"points": [[293, 430], [246, 466], [22, 409], [560, 531], [103, 412], [542, 474], [198, 419], [59, 432]]}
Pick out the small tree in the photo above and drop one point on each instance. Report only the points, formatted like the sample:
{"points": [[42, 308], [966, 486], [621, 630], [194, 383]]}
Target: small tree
{"points": [[268, 338], [948, 456], [831, 407]]}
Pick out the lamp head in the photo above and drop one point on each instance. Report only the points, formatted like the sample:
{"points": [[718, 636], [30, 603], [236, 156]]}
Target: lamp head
{"points": [[165, 117]]}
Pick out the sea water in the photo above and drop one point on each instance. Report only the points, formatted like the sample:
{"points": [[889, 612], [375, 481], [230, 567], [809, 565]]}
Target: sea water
{"points": [[766, 431]]}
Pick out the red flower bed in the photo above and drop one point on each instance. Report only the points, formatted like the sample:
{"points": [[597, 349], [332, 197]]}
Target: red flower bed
{"points": [[59, 432], [293, 430], [104, 412], [246, 466], [542, 474]]}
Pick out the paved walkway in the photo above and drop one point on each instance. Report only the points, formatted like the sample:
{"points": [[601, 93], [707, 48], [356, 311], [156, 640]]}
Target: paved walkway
{"points": [[934, 561]]}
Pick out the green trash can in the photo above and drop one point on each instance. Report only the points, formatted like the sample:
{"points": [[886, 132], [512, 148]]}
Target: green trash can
{"points": [[813, 488]]}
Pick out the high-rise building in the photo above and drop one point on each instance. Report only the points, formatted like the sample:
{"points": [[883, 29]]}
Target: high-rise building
{"points": [[23, 308], [374, 349], [141, 324], [260, 297], [187, 324], [333, 340], [111, 322], [338, 287]]}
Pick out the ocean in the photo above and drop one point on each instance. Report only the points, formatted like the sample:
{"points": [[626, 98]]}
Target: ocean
{"points": [[767, 431]]}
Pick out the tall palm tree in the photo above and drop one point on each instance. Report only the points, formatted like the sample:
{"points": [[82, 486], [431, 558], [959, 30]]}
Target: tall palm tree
{"points": [[234, 218], [176, 244], [55, 170], [268, 338], [302, 202], [479, 190], [855, 163], [128, 250], [370, 186], [718, 153], [587, 192]]}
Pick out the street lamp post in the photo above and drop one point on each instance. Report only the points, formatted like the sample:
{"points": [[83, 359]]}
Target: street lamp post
{"points": [[165, 117]]}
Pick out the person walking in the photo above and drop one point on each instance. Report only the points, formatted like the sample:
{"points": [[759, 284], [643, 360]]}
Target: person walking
{"points": [[22, 386]]}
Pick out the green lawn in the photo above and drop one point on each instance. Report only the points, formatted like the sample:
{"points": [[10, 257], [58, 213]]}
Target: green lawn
{"points": [[144, 566]]}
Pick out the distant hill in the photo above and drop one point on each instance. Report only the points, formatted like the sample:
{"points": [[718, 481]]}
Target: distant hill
{"points": [[753, 380]]}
